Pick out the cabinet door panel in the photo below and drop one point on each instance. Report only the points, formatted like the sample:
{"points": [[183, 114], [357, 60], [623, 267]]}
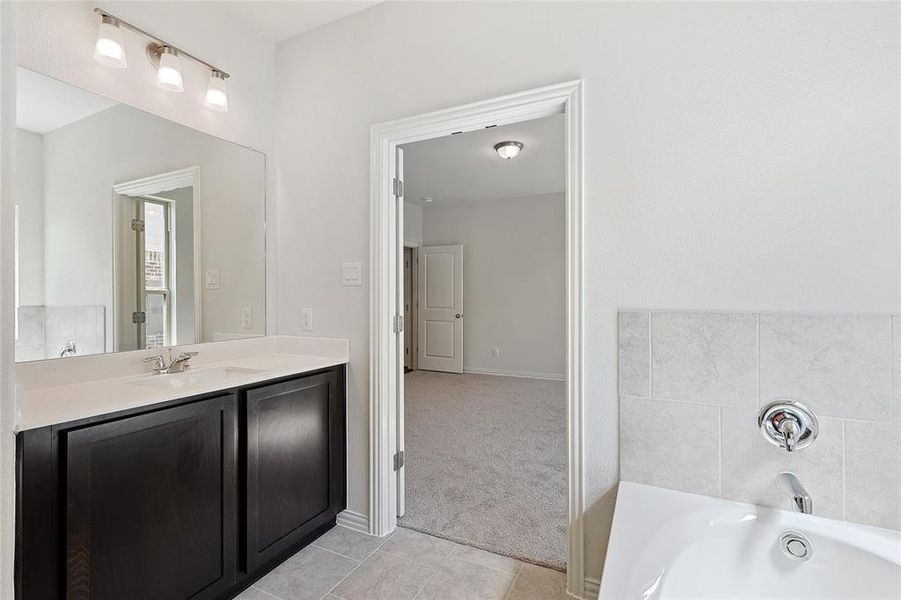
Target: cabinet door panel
{"points": [[150, 508], [290, 451]]}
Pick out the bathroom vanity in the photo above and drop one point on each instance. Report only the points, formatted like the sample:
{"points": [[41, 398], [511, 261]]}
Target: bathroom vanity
{"points": [[189, 485]]}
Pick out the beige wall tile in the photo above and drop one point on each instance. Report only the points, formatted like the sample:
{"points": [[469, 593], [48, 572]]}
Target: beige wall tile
{"points": [[704, 357]]}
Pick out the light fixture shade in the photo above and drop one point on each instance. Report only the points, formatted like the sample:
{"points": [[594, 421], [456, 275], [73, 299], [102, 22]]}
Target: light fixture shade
{"points": [[508, 150], [110, 48], [168, 76], [216, 93]]}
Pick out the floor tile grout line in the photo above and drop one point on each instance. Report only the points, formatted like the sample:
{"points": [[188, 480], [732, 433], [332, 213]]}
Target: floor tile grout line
{"points": [[356, 560], [513, 583], [265, 592], [453, 554], [427, 582]]}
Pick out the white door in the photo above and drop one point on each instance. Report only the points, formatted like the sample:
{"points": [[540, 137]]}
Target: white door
{"points": [[441, 308], [399, 249]]}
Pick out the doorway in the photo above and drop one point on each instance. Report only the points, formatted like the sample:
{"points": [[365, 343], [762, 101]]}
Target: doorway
{"points": [[387, 348], [157, 285]]}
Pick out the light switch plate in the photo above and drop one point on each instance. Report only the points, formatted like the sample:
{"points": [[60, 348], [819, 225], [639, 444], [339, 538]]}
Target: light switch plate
{"points": [[352, 273], [212, 279], [246, 317]]}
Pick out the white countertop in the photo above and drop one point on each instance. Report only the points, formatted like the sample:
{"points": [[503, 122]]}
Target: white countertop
{"points": [[53, 404]]}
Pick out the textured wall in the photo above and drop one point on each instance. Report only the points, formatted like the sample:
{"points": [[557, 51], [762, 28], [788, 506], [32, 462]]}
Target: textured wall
{"points": [[737, 156], [691, 385]]}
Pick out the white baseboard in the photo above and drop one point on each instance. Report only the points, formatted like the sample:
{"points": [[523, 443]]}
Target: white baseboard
{"points": [[502, 373], [354, 520], [592, 588]]}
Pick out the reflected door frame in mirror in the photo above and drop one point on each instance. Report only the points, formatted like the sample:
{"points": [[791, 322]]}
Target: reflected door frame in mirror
{"points": [[149, 186]]}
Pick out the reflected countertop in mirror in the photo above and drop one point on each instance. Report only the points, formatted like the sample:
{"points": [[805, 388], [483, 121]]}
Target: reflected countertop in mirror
{"points": [[132, 231]]}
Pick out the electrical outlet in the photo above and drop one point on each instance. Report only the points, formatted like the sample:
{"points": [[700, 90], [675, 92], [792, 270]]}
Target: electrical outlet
{"points": [[495, 352], [246, 317], [306, 319]]}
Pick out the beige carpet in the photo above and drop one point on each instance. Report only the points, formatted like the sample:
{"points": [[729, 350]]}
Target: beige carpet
{"points": [[486, 463]]}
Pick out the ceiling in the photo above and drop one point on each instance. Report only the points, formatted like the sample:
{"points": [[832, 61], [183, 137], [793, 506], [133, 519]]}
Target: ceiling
{"points": [[44, 104], [465, 167], [277, 21]]}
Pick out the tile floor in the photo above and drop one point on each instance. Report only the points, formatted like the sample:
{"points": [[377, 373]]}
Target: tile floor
{"points": [[344, 564]]}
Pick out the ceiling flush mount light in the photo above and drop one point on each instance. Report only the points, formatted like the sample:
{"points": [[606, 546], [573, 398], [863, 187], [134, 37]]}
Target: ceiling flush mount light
{"points": [[168, 75], [110, 48], [216, 93], [165, 58], [508, 150]]}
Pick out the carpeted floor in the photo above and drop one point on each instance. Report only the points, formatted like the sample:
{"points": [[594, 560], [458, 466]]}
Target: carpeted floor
{"points": [[486, 463]]}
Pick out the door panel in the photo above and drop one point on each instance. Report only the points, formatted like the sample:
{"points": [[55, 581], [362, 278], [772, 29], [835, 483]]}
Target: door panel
{"points": [[441, 308], [150, 510], [292, 439]]}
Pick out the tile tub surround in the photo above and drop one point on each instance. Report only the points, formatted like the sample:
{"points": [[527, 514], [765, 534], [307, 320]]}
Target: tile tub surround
{"points": [[45, 330], [691, 385], [345, 564]]}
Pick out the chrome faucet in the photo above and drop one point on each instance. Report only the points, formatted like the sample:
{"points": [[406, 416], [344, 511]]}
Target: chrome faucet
{"points": [[177, 365], [801, 500]]}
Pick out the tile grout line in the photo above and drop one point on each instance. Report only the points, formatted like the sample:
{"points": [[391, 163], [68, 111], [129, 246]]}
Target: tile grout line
{"points": [[359, 564], [757, 348], [253, 586], [472, 562], [719, 452], [513, 583], [650, 357], [844, 474]]}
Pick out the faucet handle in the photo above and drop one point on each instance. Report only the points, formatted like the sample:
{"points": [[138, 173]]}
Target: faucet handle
{"points": [[788, 424], [186, 355], [790, 430], [158, 359]]}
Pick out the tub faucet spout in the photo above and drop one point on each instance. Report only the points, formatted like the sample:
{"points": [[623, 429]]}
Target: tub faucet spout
{"points": [[801, 500]]}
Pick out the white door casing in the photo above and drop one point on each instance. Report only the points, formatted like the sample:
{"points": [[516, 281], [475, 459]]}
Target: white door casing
{"points": [[441, 308], [384, 381], [399, 248]]}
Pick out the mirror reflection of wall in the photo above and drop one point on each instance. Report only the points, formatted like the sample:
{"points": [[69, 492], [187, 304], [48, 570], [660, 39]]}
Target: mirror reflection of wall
{"points": [[122, 217]]}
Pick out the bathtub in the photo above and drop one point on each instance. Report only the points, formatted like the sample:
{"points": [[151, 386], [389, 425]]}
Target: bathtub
{"points": [[668, 544]]}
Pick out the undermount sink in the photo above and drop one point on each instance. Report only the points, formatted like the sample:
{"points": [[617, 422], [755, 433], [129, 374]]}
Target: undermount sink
{"points": [[192, 378], [668, 544]]}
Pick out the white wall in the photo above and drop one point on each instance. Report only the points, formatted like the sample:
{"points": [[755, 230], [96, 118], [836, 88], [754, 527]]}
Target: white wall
{"points": [[412, 224], [30, 200], [514, 281], [737, 155], [85, 159]]}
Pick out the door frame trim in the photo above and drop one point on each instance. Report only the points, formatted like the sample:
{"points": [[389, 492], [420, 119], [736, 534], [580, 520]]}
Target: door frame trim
{"points": [[385, 137], [155, 184]]}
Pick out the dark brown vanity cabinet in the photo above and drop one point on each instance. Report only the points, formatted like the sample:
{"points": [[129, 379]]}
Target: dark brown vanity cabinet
{"points": [[192, 499], [295, 439]]}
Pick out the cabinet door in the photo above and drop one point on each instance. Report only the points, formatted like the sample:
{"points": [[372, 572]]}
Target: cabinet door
{"points": [[149, 501], [294, 462]]}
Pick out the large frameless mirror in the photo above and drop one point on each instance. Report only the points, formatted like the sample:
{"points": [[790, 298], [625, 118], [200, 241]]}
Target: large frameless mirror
{"points": [[132, 231]]}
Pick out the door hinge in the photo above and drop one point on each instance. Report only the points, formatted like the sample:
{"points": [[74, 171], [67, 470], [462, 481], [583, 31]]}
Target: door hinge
{"points": [[137, 224], [399, 460], [398, 323], [139, 317], [398, 187]]}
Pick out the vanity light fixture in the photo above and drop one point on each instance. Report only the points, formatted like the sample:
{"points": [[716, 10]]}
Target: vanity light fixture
{"points": [[110, 48], [216, 93], [166, 58], [508, 150], [168, 74]]}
